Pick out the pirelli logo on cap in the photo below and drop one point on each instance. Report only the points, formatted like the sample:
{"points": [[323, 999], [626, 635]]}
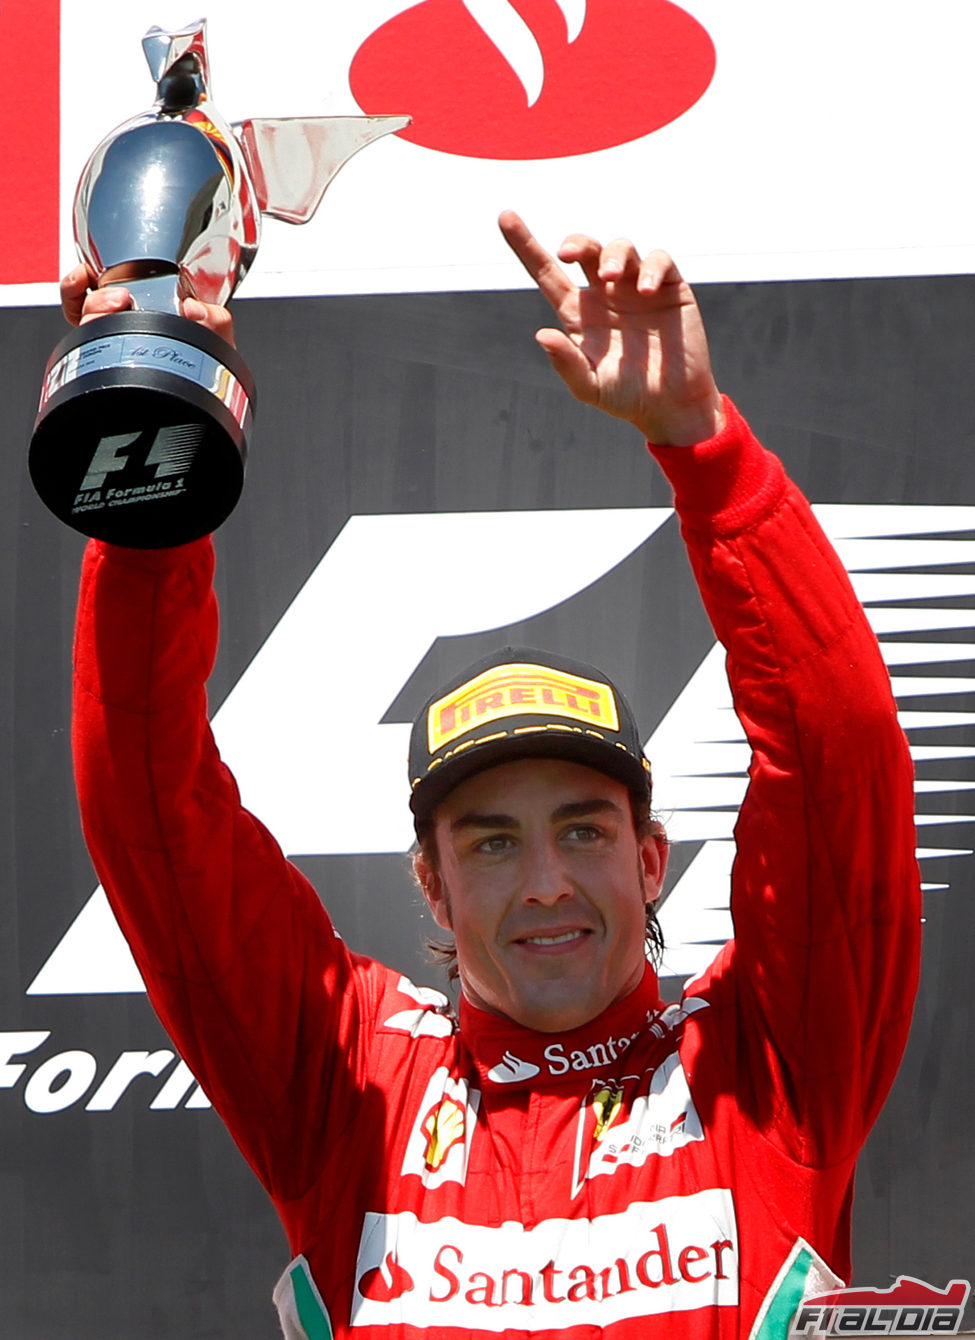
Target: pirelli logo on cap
{"points": [[519, 690]]}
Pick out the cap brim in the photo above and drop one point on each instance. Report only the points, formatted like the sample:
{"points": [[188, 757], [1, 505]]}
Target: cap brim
{"points": [[604, 757]]}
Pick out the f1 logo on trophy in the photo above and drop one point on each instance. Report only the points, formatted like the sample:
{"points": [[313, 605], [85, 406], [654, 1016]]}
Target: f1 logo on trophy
{"points": [[141, 435]]}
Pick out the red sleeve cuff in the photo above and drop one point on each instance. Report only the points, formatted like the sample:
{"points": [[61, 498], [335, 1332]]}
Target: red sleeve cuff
{"points": [[727, 483], [153, 560]]}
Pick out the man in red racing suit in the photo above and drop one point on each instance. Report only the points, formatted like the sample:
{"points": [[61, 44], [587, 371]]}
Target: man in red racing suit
{"points": [[654, 1166]]}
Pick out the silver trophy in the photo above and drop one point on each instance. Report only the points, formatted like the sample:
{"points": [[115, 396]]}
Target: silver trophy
{"points": [[141, 435]]}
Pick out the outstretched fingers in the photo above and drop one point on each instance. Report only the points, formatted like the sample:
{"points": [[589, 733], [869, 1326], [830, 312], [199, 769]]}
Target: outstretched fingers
{"points": [[553, 283], [633, 343]]}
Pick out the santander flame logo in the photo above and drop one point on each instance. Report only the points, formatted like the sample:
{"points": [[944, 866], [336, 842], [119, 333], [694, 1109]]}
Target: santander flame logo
{"points": [[522, 79], [385, 1283]]}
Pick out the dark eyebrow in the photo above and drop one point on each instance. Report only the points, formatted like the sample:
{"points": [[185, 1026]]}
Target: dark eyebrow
{"points": [[472, 819], [581, 809], [572, 809]]}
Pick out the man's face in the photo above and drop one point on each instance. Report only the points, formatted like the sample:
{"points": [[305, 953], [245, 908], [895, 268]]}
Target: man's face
{"points": [[544, 884]]}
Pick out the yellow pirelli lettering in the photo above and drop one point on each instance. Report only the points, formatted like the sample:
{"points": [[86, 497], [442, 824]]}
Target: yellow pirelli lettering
{"points": [[519, 690]]}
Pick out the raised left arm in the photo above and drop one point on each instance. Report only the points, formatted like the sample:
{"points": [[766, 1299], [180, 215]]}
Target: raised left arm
{"points": [[632, 341]]}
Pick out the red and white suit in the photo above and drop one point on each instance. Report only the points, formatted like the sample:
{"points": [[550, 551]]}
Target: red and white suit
{"points": [[685, 1167]]}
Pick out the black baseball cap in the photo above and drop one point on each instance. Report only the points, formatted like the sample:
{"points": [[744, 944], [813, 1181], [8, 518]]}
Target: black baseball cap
{"points": [[516, 703]]}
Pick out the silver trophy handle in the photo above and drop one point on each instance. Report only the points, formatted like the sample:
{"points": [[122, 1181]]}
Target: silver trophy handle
{"points": [[292, 160]]}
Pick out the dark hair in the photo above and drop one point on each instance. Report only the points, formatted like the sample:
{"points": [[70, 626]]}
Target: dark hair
{"points": [[444, 952]]}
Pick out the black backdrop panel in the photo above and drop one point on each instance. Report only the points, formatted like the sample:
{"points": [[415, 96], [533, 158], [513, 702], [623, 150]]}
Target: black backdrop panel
{"points": [[142, 1222]]}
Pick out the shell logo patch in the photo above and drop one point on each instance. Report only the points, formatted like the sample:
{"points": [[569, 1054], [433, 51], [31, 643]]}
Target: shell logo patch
{"points": [[519, 690], [442, 1130], [444, 1127]]}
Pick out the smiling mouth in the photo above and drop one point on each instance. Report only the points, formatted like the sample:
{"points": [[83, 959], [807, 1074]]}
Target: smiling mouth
{"points": [[564, 937]]}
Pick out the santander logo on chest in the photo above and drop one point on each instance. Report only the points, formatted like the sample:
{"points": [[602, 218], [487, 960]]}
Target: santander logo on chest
{"points": [[676, 1254], [523, 79]]}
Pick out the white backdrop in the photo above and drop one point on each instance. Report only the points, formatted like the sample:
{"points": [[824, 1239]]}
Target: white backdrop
{"points": [[835, 139]]}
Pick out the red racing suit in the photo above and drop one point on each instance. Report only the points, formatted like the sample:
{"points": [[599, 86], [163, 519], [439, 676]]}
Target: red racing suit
{"points": [[444, 1178]]}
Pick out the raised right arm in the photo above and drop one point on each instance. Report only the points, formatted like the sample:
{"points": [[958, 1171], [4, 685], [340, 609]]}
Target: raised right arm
{"points": [[241, 962], [239, 958]]}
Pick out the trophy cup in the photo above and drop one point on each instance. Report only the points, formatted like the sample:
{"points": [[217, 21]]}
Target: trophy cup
{"points": [[141, 435]]}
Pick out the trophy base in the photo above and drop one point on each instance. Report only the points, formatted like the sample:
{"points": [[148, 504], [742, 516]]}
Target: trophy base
{"points": [[141, 435]]}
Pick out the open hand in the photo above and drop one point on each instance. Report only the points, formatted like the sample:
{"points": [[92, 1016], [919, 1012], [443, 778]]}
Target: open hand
{"points": [[632, 341]]}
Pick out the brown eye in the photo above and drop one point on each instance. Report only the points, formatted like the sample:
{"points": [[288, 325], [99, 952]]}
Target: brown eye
{"points": [[494, 845], [584, 833]]}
